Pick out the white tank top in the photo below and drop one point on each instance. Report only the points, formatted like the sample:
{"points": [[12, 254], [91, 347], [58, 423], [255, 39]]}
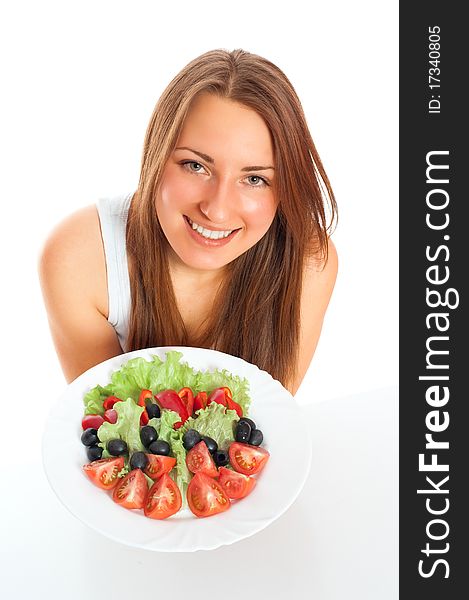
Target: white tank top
{"points": [[113, 214]]}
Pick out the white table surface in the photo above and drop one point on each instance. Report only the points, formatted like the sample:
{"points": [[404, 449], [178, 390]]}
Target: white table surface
{"points": [[338, 541]]}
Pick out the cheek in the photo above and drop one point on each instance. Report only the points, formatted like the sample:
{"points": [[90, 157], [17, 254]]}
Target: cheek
{"points": [[176, 191], [260, 213]]}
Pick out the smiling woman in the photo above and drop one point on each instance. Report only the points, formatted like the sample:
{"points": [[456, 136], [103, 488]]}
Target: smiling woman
{"points": [[224, 244]]}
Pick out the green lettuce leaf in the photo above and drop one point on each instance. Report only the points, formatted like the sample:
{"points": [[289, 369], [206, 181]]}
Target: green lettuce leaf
{"points": [[164, 424], [157, 375], [239, 386], [214, 422], [126, 428], [172, 373], [94, 399]]}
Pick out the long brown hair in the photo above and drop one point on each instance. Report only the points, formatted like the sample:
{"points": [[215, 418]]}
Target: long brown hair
{"points": [[256, 312]]}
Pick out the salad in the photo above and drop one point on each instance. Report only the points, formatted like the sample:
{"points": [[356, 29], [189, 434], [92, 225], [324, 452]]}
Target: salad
{"points": [[162, 436]]}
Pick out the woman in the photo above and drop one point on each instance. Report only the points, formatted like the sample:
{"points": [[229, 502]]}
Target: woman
{"points": [[225, 243]]}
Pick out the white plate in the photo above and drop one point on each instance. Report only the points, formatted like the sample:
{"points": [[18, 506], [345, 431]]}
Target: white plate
{"points": [[273, 409]]}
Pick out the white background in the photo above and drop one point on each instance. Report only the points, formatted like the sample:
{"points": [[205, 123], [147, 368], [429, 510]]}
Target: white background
{"points": [[80, 80]]}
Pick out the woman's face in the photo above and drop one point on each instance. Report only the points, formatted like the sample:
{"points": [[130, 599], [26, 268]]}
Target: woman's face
{"points": [[216, 198]]}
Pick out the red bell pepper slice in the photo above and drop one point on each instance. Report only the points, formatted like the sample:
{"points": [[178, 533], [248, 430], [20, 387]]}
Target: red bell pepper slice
{"points": [[232, 405], [187, 397], [110, 415], [144, 395], [94, 421], [200, 401], [110, 401], [223, 395], [169, 399], [218, 396]]}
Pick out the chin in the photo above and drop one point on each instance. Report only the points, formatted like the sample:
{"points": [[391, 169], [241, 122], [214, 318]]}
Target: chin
{"points": [[205, 263]]}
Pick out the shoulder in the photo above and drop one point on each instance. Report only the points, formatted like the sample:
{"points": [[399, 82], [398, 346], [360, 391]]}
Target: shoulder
{"points": [[72, 258], [318, 283], [319, 276]]}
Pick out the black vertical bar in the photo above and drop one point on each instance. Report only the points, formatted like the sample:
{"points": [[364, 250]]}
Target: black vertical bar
{"points": [[434, 248]]}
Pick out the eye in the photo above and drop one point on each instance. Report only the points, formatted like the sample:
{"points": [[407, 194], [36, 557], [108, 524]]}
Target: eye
{"points": [[192, 166], [257, 181]]}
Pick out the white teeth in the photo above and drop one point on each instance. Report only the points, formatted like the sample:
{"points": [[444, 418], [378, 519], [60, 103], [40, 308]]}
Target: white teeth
{"points": [[208, 233]]}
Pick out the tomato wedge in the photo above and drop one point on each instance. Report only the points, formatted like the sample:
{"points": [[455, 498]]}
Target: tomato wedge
{"points": [[103, 472], [158, 465], [132, 491], [199, 460], [247, 459], [110, 401], [206, 496], [164, 499], [93, 421], [200, 401], [236, 485], [187, 397]]}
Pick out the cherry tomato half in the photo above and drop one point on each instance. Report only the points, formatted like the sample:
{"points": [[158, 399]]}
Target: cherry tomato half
{"points": [[199, 460], [164, 499], [132, 490], [206, 496], [236, 485], [247, 459], [159, 465], [103, 472]]}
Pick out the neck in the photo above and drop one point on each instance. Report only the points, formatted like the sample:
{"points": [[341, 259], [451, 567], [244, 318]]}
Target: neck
{"points": [[188, 276]]}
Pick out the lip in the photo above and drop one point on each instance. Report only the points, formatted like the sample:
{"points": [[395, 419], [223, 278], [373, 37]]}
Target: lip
{"points": [[205, 242]]}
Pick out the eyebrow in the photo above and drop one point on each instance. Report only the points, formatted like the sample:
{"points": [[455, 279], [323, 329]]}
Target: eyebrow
{"points": [[210, 160]]}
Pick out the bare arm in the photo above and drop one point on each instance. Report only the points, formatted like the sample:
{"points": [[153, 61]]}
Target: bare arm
{"points": [[317, 290], [72, 273]]}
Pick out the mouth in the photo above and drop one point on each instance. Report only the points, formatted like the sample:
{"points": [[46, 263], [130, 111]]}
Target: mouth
{"points": [[209, 237], [209, 234]]}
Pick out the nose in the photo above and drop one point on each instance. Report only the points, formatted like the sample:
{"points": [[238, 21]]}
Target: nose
{"points": [[218, 203]]}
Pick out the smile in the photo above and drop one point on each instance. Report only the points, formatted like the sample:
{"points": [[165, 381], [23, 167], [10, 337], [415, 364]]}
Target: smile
{"points": [[209, 234]]}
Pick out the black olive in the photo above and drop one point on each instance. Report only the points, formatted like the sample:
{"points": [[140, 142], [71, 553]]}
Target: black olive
{"points": [[221, 458], [94, 453], [116, 447], [256, 438], [153, 410], [243, 431], [138, 460], [90, 437], [160, 447], [148, 435], [211, 444], [190, 438], [247, 420]]}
